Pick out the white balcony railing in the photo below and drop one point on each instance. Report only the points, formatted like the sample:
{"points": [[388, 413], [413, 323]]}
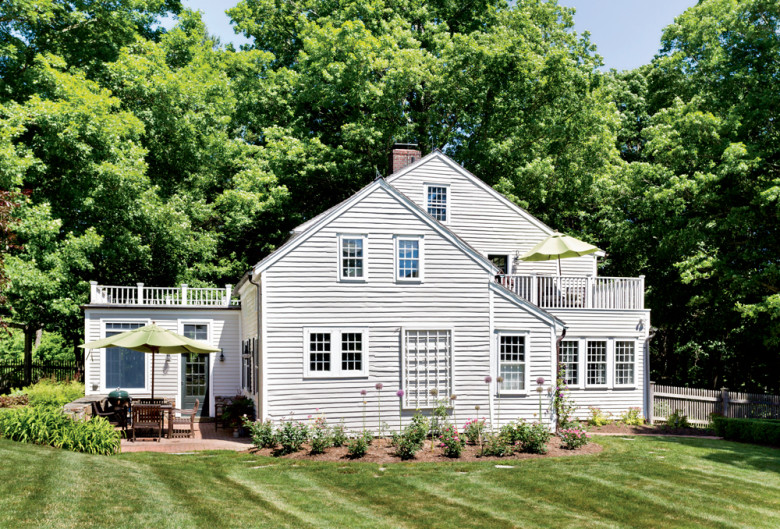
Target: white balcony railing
{"points": [[577, 292], [182, 296]]}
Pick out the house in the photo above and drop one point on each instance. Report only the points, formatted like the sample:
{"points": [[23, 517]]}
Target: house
{"points": [[412, 282]]}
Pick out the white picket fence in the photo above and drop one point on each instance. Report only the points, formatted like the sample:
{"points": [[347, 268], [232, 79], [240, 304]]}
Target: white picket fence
{"points": [[698, 404]]}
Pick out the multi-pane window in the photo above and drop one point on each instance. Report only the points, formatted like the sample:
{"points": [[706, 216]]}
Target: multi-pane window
{"points": [[335, 352], [196, 365], [570, 362], [624, 362], [125, 368], [500, 261], [352, 260], [437, 202], [596, 363], [511, 362], [427, 367], [409, 258], [196, 331]]}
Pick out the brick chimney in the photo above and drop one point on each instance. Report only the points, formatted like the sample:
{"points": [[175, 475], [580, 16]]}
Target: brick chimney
{"points": [[403, 154]]}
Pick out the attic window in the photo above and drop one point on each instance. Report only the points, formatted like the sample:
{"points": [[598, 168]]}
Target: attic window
{"points": [[437, 200]]}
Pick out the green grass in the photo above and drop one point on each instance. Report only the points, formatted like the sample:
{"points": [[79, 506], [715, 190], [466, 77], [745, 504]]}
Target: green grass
{"points": [[646, 482]]}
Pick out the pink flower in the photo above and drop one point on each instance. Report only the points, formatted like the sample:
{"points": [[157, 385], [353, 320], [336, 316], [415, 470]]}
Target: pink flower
{"points": [[540, 380], [400, 393], [379, 386], [363, 392], [488, 379]]}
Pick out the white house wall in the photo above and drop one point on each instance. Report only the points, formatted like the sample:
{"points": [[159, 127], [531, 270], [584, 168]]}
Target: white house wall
{"points": [[484, 221], [223, 332]]}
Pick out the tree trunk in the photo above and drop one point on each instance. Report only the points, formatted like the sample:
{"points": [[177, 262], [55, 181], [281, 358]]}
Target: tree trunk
{"points": [[29, 335]]}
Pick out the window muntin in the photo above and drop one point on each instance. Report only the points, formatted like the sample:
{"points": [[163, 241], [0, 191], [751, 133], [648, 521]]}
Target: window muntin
{"points": [[196, 331], [427, 365], [352, 257], [596, 367], [437, 202], [335, 352], [124, 368], [625, 359], [570, 362], [512, 362], [409, 256]]}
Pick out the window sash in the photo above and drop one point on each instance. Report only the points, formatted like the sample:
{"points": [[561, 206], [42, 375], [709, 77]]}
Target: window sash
{"points": [[124, 368], [427, 365], [570, 362], [596, 367], [353, 257], [196, 331], [512, 362], [625, 361], [333, 353], [437, 202]]}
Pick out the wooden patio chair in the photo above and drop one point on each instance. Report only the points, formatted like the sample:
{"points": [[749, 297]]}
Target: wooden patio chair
{"points": [[148, 416], [220, 403], [184, 425]]}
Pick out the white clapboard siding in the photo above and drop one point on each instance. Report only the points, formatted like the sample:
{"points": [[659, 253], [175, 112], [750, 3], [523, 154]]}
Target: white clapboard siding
{"points": [[483, 220], [302, 290], [609, 325], [248, 296], [224, 333]]}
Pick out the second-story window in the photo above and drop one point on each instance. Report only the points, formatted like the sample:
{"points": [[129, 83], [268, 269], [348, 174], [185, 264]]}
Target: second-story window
{"points": [[437, 201], [353, 263], [409, 258]]}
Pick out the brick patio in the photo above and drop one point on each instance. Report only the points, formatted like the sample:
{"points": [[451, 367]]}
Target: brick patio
{"points": [[206, 438]]}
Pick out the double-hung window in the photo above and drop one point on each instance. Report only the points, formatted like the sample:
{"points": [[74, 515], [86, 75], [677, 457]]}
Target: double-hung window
{"points": [[409, 258], [353, 257], [625, 360], [427, 367], [335, 352], [437, 200], [570, 362], [596, 363], [512, 362], [124, 368]]}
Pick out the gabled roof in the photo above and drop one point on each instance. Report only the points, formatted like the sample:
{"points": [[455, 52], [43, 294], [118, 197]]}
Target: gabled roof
{"points": [[527, 305], [312, 226], [437, 154]]}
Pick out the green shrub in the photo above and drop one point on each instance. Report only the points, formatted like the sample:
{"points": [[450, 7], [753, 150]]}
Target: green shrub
{"points": [[757, 431], [320, 436], [418, 428], [474, 430], [632, 417], [598, 417], [573, 438], [47, 392], [407, 443], [339, 434], [261, 432], [496, 445], [451, 441], [50, 426], [357, 446], [535, 439], [240, 407], [515, 433], [291, 436], [677, 420]]}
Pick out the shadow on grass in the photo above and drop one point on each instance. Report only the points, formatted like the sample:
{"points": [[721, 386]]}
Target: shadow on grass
{"points": [[742, 455]]}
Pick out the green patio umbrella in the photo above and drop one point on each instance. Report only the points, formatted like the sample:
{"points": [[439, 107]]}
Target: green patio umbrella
{"points": [[153, 339], [556, 247]]}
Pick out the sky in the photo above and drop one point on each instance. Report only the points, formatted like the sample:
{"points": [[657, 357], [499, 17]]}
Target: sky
{"points": [[627, 33]]}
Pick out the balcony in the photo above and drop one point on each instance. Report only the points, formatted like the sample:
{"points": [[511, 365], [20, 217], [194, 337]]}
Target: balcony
{"points": [[181, 296], [577, 292]]}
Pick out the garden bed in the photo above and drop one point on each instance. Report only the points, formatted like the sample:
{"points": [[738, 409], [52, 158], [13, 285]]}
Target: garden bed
{"points": [[382, 451], [655, 429]]}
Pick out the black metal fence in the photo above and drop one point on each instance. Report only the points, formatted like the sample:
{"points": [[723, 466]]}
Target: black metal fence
{"points": [[13, 374]]}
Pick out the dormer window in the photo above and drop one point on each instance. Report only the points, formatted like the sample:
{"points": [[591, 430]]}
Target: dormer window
{"points": [[353, 258], [437, 201]]}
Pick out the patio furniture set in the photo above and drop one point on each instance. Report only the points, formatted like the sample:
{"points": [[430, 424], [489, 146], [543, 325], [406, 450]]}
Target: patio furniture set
{"points": [[147, 415]]}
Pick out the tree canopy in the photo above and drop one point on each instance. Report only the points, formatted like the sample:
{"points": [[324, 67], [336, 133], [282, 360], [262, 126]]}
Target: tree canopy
{"points": [[144, 154]]}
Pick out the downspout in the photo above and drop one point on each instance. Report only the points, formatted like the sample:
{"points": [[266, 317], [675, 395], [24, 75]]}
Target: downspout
{"points": [[649, 405], [259, 345], [557, 371]]}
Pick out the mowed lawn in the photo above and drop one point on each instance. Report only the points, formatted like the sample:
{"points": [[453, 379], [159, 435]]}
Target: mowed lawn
{"points": [[645, 482]]}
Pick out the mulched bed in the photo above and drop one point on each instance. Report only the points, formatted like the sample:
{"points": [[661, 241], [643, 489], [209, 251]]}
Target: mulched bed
{"points": [[381, 451], [656, 429]]}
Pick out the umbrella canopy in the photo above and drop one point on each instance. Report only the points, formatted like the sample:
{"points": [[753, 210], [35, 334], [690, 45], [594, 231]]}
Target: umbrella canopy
{"points": [[556, 247], [153, 339]]}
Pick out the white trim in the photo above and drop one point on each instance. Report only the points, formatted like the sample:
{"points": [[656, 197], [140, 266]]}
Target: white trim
{"points": [[431, 327], [363, 237], [525, 334], [263, 345], [420, 258], [607, 356], [580, 375], [474, 179], [336, 352], [447, 201], [147, 357], [615, 384], [533, 309], [181, 322]]}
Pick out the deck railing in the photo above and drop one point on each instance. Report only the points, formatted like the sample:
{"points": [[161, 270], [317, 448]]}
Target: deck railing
{"points": [[577, 292], [162, 296]]}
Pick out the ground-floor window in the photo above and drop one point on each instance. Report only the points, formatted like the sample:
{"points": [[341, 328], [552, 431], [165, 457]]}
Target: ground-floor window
{"points": [[125, 368], [596, 367], [625, 359], [512, 362], [335, 352], [249, 356], [427, 367], [570, 362]]}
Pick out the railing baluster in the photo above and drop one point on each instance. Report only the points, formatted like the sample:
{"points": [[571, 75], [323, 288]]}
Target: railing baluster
{"points": [[559, 292]]}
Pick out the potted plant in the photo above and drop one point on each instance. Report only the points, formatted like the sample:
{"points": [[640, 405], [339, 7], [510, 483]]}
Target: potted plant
{"points": [[234, 413]]}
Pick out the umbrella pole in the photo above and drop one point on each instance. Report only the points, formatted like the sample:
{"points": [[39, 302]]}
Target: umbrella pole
{"points": [[154, 353], [559, 266]]}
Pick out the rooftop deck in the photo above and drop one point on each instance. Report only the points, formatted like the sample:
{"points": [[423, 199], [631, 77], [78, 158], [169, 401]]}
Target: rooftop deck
{"points": [[577, 292], [181, 296]]}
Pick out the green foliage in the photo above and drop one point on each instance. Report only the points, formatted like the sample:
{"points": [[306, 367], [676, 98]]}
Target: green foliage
{"points": [[408, 442], [238, 410], [757, 431], [515, 433], [632, 417], [474, 430], [320, 436], [573, 438], [49, 393], [291, 436], [535, 439], [261, 432], [598, 417], [677, 420], [419, 427], [47, 425], [563, 404], [357, 447], [450, 441], [496, 446], [339, 434]]}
